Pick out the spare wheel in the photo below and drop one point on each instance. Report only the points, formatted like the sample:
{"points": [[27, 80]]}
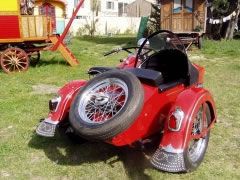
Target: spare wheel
{"points": [[107, 105]]}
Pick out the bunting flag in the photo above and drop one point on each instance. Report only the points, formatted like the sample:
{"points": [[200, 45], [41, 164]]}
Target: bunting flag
{"points": [[222, 20]]}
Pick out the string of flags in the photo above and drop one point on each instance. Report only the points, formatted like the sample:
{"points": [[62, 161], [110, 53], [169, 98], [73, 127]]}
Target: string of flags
{"points": [[222, 20]]}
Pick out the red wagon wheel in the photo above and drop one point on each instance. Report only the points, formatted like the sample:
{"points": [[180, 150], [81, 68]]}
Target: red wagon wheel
{"points": [[14, 60]]}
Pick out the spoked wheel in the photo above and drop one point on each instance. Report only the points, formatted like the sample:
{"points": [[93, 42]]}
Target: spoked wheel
{"points": [[103, 101], [14, 60], [195, 152], [107, 105], [34, 58]]}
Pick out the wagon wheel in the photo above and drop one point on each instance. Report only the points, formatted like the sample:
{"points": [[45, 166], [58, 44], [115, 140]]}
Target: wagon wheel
{"points": [[34, 58], [14, 60]]}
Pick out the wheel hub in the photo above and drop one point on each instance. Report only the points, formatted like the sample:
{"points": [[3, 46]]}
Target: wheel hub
{"points": [[101, 100], [14, 61]]}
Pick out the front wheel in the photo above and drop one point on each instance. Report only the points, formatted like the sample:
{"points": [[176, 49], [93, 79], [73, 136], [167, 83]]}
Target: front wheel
{"points": [[194, 153]]}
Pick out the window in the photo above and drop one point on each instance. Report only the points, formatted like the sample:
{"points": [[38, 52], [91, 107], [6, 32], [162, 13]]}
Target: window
{"points": [[81, 17], [125, 7], [110, 5], [189, 6], [76, 2], [177, 7]]}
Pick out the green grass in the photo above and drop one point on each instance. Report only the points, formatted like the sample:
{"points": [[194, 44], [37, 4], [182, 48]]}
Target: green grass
{"points": [[23, 155]]}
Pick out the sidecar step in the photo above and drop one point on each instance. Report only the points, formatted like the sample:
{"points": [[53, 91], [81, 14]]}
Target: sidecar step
{"points": [[166, 161], [46, 128]]}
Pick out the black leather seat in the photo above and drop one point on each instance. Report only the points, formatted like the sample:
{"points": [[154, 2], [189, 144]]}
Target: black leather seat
{"points": [[148, 76]]}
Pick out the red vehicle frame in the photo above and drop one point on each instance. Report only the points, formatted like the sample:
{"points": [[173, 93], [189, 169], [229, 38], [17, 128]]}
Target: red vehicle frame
{"points": [[172, 109]]}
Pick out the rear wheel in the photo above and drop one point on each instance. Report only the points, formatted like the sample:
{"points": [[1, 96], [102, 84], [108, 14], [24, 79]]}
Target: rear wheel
{"points": [[196, 149], [34, 58], [200, 42], [107, 105]]}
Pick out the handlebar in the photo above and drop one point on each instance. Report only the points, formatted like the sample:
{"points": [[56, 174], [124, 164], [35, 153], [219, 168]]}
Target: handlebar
{"points": [[121, 49], [113, 51]]}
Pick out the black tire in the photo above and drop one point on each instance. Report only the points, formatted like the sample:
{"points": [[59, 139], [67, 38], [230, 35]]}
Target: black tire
{"points": [[75, 138], [121, 120], [200, 42], [189, 163], [34, 59], [65, 130]]}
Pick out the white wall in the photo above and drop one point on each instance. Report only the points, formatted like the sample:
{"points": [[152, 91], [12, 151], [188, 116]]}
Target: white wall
{"points": [[85, 10], [109, 25]]}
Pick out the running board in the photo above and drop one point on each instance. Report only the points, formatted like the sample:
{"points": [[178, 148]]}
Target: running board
{"points": [[66, 53]]}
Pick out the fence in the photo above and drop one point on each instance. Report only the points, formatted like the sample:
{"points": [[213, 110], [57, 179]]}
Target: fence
{"points": [[107, 25]]}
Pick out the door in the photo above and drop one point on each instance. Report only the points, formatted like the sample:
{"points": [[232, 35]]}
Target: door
{"points": [[182, 15], [166, 14], [49, 10]]}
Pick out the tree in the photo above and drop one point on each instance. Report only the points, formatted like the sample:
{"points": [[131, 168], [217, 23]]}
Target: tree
{"points": [[91, 26], [154, 19], [220, 9], [232, 23]]}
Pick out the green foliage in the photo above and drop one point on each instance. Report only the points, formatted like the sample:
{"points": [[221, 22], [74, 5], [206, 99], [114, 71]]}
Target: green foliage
{"points": [[154, 19], [91, 25], [221, 7]]}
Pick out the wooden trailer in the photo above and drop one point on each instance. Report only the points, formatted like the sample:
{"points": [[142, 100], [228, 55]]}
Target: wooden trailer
{"points": [[22, 37], [187, 18]]}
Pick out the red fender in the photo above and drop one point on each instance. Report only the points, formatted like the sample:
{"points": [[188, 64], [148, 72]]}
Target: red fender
{"points": [[67, 93], [189, 101]]}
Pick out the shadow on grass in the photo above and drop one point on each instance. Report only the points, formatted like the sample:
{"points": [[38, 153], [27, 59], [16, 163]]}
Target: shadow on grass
{"points": [[52, 61], [63, 152], [110, 40]]}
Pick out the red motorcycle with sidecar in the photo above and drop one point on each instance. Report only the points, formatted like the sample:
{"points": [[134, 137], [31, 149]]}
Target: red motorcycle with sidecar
{"points": [[154, 91]]}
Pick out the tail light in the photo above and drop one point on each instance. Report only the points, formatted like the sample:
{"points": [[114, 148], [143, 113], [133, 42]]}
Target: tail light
{"points": [[53, 104], [175, 120]]}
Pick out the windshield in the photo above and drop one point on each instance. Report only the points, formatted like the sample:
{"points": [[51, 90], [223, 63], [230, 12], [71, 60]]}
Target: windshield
{"points": [[164, 40], [158, 41]]}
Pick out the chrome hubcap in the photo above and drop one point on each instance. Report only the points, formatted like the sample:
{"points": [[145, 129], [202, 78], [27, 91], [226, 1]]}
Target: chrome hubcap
{"points": [[103, 101]]}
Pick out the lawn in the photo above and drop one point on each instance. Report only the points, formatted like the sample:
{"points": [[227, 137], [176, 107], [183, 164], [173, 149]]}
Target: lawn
{"points": [[23, 155]]}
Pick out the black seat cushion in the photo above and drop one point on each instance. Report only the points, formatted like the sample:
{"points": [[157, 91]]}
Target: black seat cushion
{"points": [[172, 63], [147, 76]]}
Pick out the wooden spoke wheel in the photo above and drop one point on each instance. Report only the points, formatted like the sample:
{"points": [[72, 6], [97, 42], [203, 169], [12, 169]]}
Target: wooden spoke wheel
{"points": [[14, 60]]}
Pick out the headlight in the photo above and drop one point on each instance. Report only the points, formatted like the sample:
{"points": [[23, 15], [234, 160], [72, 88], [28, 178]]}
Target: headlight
{"points": [[54, 103]]}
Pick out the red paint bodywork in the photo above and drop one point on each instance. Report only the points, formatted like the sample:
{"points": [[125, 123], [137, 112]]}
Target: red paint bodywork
{"points": [[157, 108], [67, 93], [12, 30]]}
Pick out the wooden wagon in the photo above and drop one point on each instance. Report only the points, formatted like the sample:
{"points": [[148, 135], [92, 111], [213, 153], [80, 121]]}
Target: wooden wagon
{"points": [[22, 37], [187, 18]]}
